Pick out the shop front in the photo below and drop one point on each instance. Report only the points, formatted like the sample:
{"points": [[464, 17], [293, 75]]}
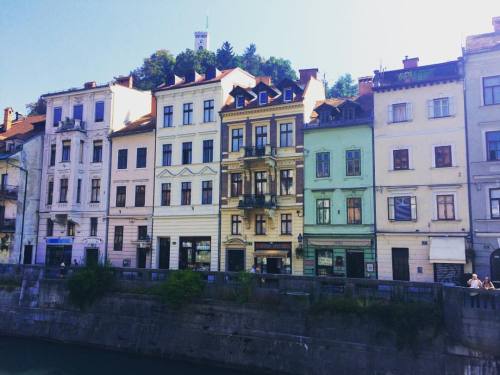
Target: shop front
{"points": [[58, 250], [447, 254], [194, 253], [273, 257]]}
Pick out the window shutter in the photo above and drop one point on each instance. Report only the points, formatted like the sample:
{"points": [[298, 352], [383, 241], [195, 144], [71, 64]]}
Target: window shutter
{"points": [[451, 106], [409, 112], [390, 207], [414, 208], [390, 117], [430, 109]]}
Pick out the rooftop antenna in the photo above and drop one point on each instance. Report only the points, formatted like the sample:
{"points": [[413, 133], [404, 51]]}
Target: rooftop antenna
{"points": [[206, 24]]}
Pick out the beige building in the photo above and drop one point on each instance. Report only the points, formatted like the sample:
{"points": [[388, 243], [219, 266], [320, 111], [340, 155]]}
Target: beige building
{"points": [[131, 194], [263, 174], [421, 188]]}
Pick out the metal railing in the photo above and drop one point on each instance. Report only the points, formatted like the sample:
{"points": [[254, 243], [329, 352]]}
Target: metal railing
{"points": [[70, 124], [259, 151], [8, 191], [7, 225], [257, 201]]}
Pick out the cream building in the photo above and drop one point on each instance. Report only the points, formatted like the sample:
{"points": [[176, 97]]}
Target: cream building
{"points": [[422, 209], [75, 178], [131, 194], [186, 194], [262, 196]]}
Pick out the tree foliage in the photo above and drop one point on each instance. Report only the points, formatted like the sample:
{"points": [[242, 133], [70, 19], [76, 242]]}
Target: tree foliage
{"points": [[37, 108], [343, 87], [154, 70]]}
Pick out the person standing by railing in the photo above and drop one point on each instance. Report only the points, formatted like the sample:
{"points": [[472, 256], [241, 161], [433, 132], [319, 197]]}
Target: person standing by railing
{"points": [[487, 284], [474, 283]]}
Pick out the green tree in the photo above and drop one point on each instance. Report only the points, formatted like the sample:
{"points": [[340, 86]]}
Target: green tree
{"points": [[37, 108], [205, 59], [154, 70], [343, 87], [225, 57], [278, 68], [185, 62], [251, 61]]}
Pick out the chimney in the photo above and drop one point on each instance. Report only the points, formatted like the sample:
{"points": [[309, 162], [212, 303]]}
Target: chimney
{"points": [[172, 79], [307, 74], [365, 85], [192, 76], [126, 81], [495, 21], [89, 85], [7, 118], [411, 62], [153, 106], [263, 79]]}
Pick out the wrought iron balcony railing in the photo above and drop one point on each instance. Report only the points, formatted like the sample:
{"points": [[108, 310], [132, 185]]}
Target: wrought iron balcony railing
{"points": [[7, 225], [260, 151], [71, 124], [257, 201], [8, 191]]}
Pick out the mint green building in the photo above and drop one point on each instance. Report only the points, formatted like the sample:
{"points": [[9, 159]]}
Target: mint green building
{"points": [[338, 190]]}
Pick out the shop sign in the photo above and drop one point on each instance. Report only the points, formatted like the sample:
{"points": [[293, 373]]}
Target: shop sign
{"points": [[273, 246], [59, 240]]}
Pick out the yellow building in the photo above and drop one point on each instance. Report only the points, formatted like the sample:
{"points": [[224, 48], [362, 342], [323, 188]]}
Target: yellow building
{"points": [[421, 188], [262, 179]]}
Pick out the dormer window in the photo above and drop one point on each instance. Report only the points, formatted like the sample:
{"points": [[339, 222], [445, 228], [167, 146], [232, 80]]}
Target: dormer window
{"points": [[240, 101], [324, 116], [348, 114], [262, 97], [287, 95]]}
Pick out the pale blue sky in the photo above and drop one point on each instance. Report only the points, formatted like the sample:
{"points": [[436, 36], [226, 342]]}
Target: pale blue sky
{"points": [[49, 45]]}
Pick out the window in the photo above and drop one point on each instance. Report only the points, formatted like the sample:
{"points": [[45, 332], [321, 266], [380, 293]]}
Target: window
{"points": [[187, 114], [141, 157], [78, 190], [495, 203], [286, 182], [323, 164], [208, 151], [208, 110], [142, 233], [237, 139], [354, 211], [57, 115], [493, 145], [260, 224], [80, 156], [52, 155], [491, 90], [118, 240], [400, 112], [445, 207], [261, 136], [322, 211], [166, 155], [66, 151], [286, 135], [402, 208], [70, 229], [168, 116], [439, 107], [348, 113], [260, 183], [50, 192], [235, 225], [97, 153], [186, 193], [187, 152], [442, 156], [240, 101], [206, 192], [140, 195], [121, 196], [93, 227], [353, 163], [63, 190], [78, 112], [400, 159], [286, 223], [288, 95], [99, 111], [236, 184], [50, 228], [122, 158], [165, 194], [262, 97], [96, 190]]}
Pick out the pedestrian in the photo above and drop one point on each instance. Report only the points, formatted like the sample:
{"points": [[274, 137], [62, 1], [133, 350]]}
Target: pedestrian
{"points": [[252, 270], [474, 282], [487, 284], [75, 263], [62, 269]]}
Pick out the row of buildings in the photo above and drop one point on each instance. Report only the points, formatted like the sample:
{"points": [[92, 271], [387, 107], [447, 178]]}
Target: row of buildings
{"points": [[225, 171]]}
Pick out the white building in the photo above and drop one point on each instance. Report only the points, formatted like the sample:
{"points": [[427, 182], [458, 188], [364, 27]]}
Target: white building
{"points": [[74, 186], [186, 202]]}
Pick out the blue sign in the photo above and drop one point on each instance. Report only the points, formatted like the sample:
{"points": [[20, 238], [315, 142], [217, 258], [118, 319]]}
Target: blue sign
{"points": [[60, 241]]}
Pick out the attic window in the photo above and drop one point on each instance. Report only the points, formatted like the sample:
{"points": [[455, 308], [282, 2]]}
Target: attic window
{"points": [[240, 101], [262, 97], [288, 95], [324, 116], [348, 113]]}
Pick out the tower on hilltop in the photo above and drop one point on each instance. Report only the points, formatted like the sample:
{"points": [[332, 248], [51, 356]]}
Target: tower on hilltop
{"points": [[201, 39]]}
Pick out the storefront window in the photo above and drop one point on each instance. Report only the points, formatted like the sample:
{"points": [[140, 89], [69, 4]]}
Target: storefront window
{"points": [[195, 253], [324, 262]]}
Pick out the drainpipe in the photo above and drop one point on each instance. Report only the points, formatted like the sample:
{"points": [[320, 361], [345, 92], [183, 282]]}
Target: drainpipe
{"points": [[107, 201], [24, 207], [374, 198], [154, 192], [219, 218], [38, 211]]}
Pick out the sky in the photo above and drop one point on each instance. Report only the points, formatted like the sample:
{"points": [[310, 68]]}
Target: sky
{"points": [[51, 45]]}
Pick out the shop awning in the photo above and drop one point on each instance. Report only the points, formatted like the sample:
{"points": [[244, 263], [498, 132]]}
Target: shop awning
{"points": [[271, 253], [447, 250], [339, 242]]}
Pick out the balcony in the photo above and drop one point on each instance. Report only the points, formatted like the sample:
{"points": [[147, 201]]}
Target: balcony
{"points": [[259, 151], [250, 201], [70, 125], [8, 192], [7, 225]]}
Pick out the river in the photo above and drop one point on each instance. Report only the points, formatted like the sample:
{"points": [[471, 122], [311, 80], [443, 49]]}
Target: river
{"points": [[33, 357]]}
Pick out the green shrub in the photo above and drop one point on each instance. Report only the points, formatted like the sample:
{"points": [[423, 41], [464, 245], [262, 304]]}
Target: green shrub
{"points": [[245, 289], [88, 284], [181, 288]]}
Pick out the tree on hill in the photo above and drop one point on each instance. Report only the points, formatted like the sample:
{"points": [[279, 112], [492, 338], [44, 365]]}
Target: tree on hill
{"points": [[37, 108], [154, 70], [278, 68], [251, 61], [343, 87], [225, 57]]}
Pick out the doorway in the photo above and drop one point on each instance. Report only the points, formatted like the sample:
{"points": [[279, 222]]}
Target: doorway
{"points": [[274, 265], [164, 254], [28, 254], [235, 260], [141, 257], [355, 264], [400, 264], [495, 265], [91, 256]]}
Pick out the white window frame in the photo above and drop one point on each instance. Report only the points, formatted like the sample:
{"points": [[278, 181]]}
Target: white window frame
{"points": [[410, 158], [435, 205], [390, 112], [236, 100], [288, 89], [267, 97], [433, 156]]}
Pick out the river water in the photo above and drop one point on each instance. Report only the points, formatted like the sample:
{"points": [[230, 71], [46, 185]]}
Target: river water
{"points": [[33, 357]]}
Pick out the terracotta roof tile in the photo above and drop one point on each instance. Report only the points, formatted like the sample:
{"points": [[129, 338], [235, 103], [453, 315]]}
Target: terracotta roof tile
{"points": [[201, 81], [143, 124], [23, 128]]}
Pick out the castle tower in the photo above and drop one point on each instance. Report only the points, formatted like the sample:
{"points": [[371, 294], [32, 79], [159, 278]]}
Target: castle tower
{"points": [[201, 40]]}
